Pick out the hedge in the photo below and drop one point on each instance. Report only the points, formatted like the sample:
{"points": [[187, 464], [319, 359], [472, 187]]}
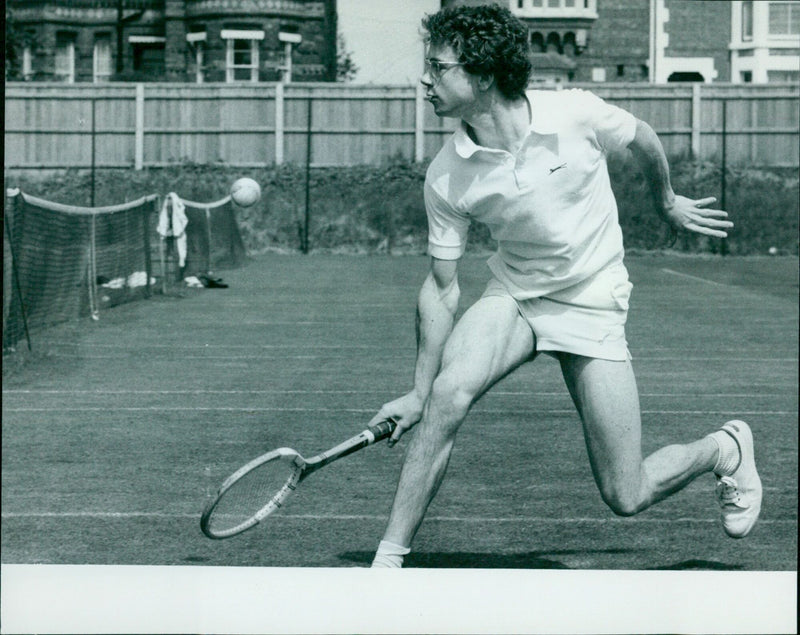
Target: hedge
{"points": [[379, 209]]}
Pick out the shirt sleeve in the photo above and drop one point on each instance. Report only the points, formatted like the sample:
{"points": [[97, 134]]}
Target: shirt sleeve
{"points": [[613, 127], [447, 229]]}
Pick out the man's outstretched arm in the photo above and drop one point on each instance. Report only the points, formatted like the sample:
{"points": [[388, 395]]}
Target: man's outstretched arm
{"points": [[436, 310], [678, 211]]}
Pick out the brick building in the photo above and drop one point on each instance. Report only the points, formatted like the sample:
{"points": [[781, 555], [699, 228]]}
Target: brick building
{"points": [[660, 40], [175, 40]]}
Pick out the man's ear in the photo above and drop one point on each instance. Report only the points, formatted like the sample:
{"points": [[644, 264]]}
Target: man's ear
{"points": [[485, 82]]}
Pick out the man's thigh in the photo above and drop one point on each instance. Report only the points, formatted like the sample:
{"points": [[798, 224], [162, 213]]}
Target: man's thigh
{"points": [[607, 400], [489, 341]]}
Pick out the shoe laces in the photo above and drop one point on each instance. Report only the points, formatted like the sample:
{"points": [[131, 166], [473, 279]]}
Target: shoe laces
{"points": [[728, 491]]}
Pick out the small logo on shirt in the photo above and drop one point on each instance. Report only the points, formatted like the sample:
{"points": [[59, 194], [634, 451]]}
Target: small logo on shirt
{"points": [[557, 168]]}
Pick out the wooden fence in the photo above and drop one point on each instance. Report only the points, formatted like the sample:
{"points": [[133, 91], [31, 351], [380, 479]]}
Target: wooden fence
{"points": [[58, 126]]}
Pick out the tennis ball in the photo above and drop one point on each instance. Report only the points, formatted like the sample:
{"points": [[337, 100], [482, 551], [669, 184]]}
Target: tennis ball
{"points": [[773, 251], [245, 192]]}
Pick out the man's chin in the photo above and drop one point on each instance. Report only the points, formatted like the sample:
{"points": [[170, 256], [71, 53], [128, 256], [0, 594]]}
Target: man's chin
{"points": [[439, 108]]}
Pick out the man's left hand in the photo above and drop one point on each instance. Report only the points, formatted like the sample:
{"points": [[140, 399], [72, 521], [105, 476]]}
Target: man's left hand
{"points": [[693, 215]]}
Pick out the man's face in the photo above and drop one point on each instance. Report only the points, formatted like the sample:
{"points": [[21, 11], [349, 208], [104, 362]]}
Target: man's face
{"points": [[448, 86]]}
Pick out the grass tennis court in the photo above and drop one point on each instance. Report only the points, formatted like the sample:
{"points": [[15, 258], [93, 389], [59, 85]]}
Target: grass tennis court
{"points": [[115, 432]]}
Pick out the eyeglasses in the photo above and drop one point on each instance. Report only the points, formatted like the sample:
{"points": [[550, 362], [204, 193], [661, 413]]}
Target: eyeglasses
{"points": [[436, 68]]}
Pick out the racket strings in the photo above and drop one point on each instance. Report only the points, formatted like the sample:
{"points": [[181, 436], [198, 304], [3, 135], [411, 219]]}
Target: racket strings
{"points": [[252, 496]]}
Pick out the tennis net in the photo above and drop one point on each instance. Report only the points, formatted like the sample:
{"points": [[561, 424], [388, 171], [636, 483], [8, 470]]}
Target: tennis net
{"points": [[213, 239], [63, 262]]}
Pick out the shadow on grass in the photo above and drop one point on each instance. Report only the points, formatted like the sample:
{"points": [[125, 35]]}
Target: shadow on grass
{"points": [[699, 565], [461, 560]]}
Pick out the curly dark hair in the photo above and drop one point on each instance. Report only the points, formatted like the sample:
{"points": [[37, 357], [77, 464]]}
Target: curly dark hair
{"points": [[489, 40]]}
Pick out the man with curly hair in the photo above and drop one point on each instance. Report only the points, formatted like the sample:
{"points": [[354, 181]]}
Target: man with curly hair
{"points": [[532, 167]]}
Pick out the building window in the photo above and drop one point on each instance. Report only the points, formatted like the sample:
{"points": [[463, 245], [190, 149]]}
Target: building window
{"points": [[148, 55], [242, 62], [747, 20], [102, 58], [747, 77], [620, 70], [65, 57], [241, 59], [27, 62], [784, 18], [598, 74]]}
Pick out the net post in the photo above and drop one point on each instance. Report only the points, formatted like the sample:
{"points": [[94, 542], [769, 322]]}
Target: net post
{"points": [[14, 270], [208, 240], [148, 264], [91, 273]]}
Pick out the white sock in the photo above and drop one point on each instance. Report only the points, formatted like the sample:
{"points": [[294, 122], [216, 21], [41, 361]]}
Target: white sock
{"points": [[729, 455], [389, 555]]}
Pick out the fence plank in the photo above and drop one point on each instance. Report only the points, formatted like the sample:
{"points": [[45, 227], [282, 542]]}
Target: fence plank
{"points": [[47, 124], [139, 143]]}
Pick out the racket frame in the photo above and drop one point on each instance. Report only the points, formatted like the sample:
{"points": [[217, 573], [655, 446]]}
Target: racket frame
{"points": [[299, 468], [296, 465]]}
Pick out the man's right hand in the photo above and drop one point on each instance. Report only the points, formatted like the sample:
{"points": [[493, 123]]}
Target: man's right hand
{"points": [[406, 411]]}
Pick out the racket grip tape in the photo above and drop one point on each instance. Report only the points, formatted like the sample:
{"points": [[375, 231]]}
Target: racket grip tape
{"points": [[383, 429]]}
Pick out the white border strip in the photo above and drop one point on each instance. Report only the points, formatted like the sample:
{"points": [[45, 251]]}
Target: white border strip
{"points": [[186, 599]]}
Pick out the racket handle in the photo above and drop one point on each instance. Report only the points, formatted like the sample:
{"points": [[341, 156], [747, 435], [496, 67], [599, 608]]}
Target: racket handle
{"points": [[383, 429], [364, 438]]}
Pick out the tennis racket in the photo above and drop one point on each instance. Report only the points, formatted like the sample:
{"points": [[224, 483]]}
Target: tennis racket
{"points": [[261, 487]]}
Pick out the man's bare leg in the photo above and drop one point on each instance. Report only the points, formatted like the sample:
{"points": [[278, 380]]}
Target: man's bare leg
{"points": [[489, 341], [607, 399]]}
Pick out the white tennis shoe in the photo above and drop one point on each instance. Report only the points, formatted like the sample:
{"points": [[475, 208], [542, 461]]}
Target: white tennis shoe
{"points": [[739, 494]]}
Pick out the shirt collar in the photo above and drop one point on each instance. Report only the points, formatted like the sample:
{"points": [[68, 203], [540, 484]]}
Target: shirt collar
{"points": [[541, 123]]}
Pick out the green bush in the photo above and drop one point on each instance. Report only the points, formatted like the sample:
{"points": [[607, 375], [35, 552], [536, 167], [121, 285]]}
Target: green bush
{"points": [[379, 209]]}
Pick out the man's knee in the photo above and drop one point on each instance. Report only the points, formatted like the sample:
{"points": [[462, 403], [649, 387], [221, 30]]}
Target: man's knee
{"points": [[623, 499], [449, 399]]}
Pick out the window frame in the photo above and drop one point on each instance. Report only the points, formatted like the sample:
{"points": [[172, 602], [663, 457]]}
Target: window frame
{"points": [[252, 37], [99, 76], [747, 21], [792, 6], [65, 40], [27, 62]]}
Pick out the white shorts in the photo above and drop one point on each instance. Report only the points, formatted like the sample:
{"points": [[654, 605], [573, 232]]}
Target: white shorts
{"points": [[586, 319]]}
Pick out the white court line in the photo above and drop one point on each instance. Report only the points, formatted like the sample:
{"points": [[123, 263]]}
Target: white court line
{"points": [[182, 358], [175, 346], [364, 410], [696, 278], [334, 347], [500, 393], [379, 517]]}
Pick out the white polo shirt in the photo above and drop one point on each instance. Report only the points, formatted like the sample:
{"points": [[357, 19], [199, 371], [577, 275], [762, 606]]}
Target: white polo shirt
{"points": [[550, 208]]}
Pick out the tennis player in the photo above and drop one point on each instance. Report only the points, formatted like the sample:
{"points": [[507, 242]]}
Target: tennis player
{"points": [[532, 167]]}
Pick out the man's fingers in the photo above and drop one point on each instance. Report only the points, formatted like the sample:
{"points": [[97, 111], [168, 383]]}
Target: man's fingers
{"points": [[398, 432], [377, 418], [705, 201], [712, 213], [713, 222], [706, 230]]}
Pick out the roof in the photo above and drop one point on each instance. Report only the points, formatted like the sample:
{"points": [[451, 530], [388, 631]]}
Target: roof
{"points": [[552, 61]]}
